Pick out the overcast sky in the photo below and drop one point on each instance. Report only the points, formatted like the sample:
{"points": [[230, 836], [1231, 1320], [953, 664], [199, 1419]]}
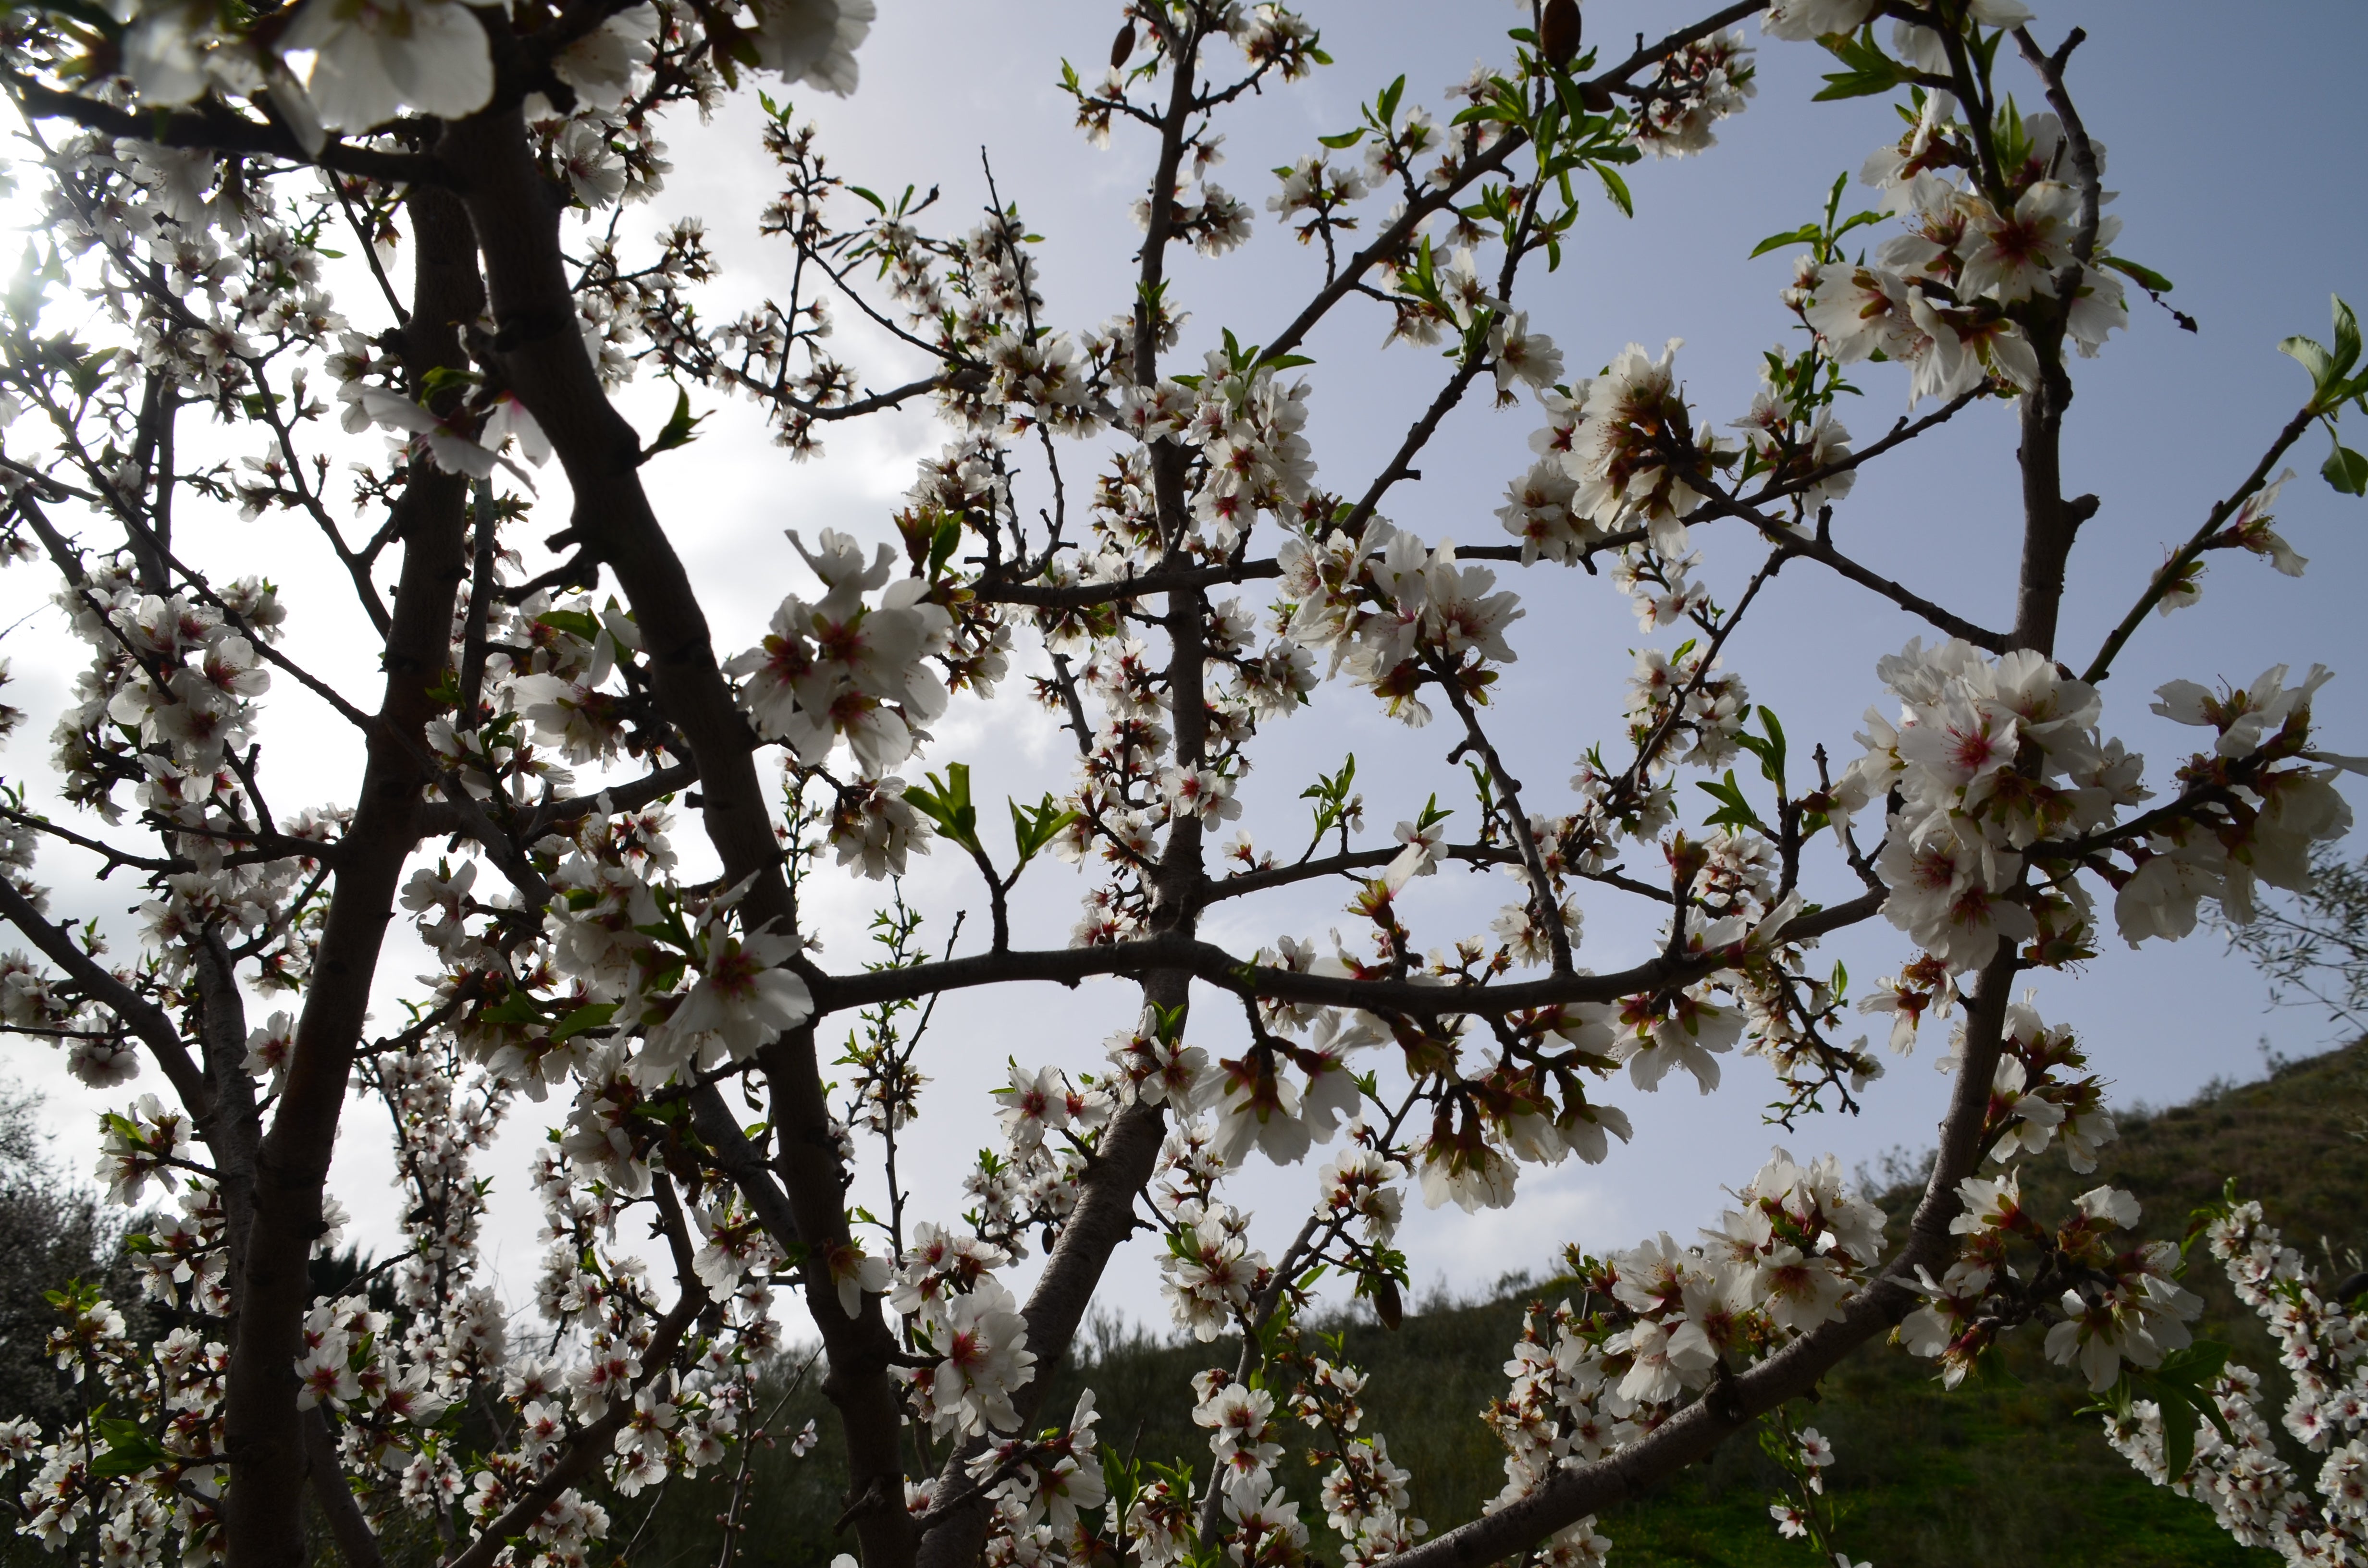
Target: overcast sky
{"points": [[2238, 162]]}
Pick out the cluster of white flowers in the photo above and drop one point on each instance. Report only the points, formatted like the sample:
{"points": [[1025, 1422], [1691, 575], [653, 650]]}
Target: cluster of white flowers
{"points": [[1210, 1273], [364, 63], [1383, 604], [1664, 1318], [1364, 1494], [1941, 297], [681, 1406], [2267, 835], [1040, 1488], [168, 1509], [1313, 185], [1996, 761], [1706, 81], [965, 1319], [166, 700], [1952, 855], [2238, 1469], [185, 1258], [2125, 1306], [1209, 217], [391, 1372], [1243, 424], [1779, 1265], [842, 669]]}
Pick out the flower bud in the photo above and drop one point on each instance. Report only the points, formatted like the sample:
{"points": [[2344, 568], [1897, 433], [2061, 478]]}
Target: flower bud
{"points": [[1558, 32]]}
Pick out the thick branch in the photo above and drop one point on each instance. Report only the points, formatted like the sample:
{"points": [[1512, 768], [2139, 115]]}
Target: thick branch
{"points": [[142, 1016], [213, 125], [541, 354], [1163, 580], [264, 1433], [1207, 961], [443, 818], [356, 1541]]}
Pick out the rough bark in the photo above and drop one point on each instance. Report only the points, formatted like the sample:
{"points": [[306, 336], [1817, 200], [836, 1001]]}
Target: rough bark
{"points": [[539, 349], [264, 1430], [356, 1541]]}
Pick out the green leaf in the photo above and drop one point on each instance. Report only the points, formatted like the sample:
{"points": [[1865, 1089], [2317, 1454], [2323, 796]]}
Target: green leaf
{"points": [[1330, 793], [586, 1018], [1120, 1480], [2346, 470], [575, 622], [128, 1450], [1807, 234], [2181, 1388], [1387, 107], [444, 376], [1869, 71], [2311, 356], [943, 544], [1484, 784], [1768, 748], [87, 373], [1617, 188], [1167, 1023], [516, 1007], [1857, 221], [1733, 809], [1346, 138], [2178, 1432], [1774, 756], [1033, 827], [877, 205], [947, 803], [2328, 368], [2145, 277], [681, 428]]}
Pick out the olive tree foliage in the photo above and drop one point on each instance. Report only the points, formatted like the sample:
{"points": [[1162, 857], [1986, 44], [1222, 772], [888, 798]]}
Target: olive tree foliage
{"points": [[52, 1229], [1142, 541], [2313, 947]]}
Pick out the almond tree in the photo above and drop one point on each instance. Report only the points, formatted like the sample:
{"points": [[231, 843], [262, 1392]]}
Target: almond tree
{"points": [[552, 700]]}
